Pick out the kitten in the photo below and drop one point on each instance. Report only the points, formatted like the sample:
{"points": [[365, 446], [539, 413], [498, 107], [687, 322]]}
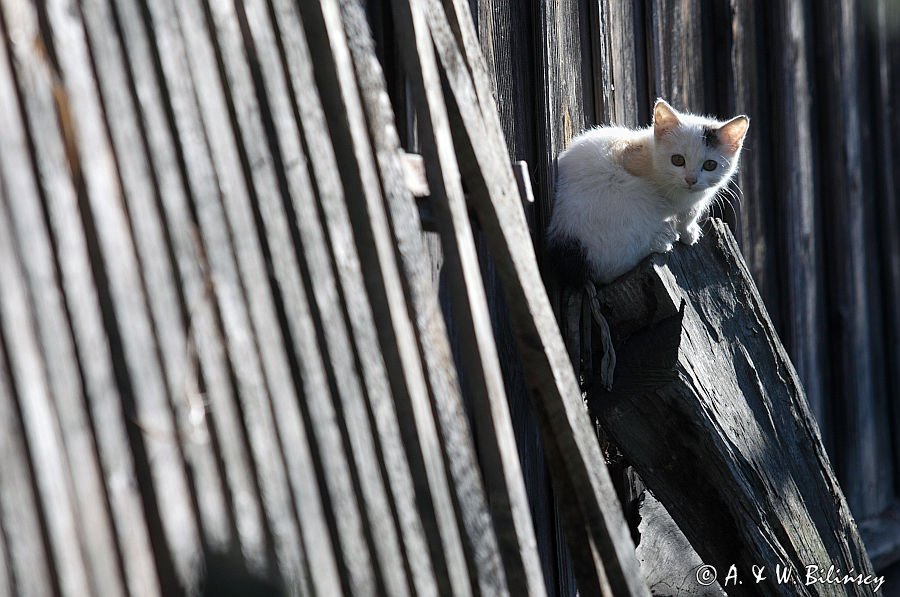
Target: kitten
{"points": [[622, 194]]}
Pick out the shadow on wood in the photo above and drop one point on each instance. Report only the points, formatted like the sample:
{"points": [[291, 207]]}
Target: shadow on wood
{"points": [[708, 408]]}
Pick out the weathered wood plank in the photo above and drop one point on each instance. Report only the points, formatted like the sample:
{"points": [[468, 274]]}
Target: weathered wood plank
{"points": [[845, 202], [709, 410], [41, 426], [500, 459], [593, 521], [361, 178], [741, 80], [805, 335], [614, 68], [433, 340], [889, 119], [668, 562], [446, 543], [30, 573], [91, 156], [881, 534], [460, 258], [29, 233], [244, 167], [186, 58], [561, 95], [505, 36], [197, 287], [75, 277], [163, 287], [676, 54], [374, 511], [386, 430]]}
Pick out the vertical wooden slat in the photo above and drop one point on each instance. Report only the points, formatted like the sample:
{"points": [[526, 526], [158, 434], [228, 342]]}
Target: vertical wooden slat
{"points": [[336, 462], [432, 342], [199, 293], [252, 363], [844, 203], [91, 156], [64, 382], [41, 425], [593, 522], [362, 436], [104, 400], [505, 35], [560, 97], [676, 54], [377, 262], [804, 330], [30, 573], [741, 77], [503, 476], [615, 70], [460, 256], [887, 152], [163, 287]]}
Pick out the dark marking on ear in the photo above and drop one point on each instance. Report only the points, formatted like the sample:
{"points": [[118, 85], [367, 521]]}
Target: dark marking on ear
{"points": [[568, 258], [711, 136]]}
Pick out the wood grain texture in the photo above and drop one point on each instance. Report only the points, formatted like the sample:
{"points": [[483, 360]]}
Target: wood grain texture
{"points": [[151, 100], [709, 410], [676, 54], [457, 240], [845, 201], [187, 58], [593, 522], [805, 334]]}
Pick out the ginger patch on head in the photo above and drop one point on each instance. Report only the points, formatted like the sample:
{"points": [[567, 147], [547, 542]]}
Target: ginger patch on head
{"points": [[635, 157]]}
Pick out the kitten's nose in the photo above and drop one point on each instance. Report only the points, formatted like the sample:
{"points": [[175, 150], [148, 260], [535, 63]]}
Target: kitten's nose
{"points": [[690, 179]]}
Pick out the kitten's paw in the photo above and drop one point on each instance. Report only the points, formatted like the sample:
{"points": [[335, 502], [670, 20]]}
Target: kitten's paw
{"points": [[691, 235], [664, 239]]}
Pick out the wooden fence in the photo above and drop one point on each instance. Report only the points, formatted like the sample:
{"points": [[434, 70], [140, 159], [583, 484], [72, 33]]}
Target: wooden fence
{"points": [[815, 207], [223, 364], [220, 349]]}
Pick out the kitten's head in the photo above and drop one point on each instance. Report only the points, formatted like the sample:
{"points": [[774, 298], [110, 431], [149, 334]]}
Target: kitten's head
{"points": [[693, 154]]}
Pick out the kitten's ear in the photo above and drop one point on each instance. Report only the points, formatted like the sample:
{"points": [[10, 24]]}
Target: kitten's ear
{"points": [[731, 134], [664, 118]]}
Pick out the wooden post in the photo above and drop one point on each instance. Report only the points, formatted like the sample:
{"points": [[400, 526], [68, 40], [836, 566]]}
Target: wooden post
{"points": [[708, 408]]}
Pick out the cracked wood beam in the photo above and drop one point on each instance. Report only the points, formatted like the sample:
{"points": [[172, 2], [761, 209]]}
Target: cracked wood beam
{"points": [[708, 408]]}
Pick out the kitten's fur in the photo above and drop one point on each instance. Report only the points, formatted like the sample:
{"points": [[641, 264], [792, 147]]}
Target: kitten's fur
{"points": [[620, 197]]}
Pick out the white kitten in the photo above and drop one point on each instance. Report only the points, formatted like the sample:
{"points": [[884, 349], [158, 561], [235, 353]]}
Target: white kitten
{"points": [[623, 194]]}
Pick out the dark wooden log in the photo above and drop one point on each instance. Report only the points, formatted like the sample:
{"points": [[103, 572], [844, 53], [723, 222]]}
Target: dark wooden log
{"points": [[668, 562], [708, 408]]}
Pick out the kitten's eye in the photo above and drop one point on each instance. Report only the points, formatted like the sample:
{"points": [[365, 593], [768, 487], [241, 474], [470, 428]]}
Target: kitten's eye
{"points": [[678, 159], [710, 165]]}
